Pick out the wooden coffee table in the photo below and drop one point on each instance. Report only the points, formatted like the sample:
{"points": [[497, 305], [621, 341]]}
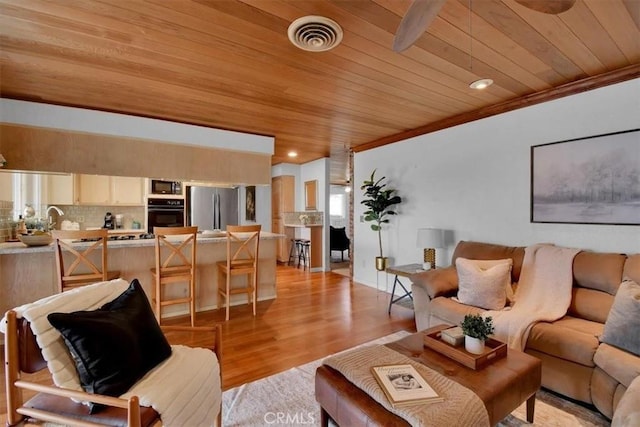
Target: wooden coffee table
{"points": [[502, 386]]}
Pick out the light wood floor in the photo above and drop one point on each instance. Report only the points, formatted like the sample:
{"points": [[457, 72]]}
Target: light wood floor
{"points": [[314, 315]]}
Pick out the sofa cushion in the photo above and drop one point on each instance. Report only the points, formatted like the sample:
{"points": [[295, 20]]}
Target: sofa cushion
{"points": [[569, 338], [115, 345], [600, 271], [628, 410], [450, 311], [623, 323], [619, 364], [479, 250], [631, 269], [484, 283], [590, 304]]}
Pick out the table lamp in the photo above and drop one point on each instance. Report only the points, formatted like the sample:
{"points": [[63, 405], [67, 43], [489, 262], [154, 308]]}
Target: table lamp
{"points": [[429, 239]]}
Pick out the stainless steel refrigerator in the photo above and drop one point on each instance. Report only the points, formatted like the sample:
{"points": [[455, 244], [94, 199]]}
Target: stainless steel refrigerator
{"points": [[212, 208]]}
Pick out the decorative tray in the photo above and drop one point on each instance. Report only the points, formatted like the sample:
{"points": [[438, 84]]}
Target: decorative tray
{"points": [[493, 350]]}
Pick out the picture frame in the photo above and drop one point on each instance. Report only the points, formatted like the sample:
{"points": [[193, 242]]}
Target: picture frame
{"points": [[250, 203], [590, 180]]}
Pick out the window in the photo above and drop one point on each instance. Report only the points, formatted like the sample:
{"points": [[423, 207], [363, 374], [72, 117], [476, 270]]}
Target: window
{"points": [[336, 205]]}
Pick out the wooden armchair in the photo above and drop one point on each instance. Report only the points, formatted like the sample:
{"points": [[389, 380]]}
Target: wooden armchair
{"points": [[54, 404]]}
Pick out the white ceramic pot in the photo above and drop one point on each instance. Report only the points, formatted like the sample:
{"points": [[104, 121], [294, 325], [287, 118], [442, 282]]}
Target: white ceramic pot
{"points": [[473, 345]]}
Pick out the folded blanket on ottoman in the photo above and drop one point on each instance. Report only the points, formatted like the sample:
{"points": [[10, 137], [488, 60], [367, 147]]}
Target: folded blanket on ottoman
{"points": [[460, 403]]}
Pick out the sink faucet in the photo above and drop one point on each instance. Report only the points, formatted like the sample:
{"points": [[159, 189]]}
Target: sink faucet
{"points": [[58, 210]]}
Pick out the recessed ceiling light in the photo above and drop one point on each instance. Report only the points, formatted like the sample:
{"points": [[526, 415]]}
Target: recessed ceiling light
{"points": [[481, 84], [347, 189], [292, 154]]}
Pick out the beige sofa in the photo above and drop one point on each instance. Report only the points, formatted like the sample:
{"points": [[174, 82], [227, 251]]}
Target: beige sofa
{"points": [[574, 362]]}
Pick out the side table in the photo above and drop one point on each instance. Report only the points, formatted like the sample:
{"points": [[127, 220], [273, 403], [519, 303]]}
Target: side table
{"points": [[401, 271]]}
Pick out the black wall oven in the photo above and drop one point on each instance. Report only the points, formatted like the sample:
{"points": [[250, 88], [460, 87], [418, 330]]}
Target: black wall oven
{"points": [[164, 213]]}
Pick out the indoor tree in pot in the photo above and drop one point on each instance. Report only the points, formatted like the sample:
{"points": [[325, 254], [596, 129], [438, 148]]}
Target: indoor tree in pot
{"points": [[379, 201], [476, 330]]}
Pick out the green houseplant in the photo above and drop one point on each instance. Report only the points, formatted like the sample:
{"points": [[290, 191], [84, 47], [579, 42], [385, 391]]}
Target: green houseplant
{"points": [[476, 330], [379, 201]]}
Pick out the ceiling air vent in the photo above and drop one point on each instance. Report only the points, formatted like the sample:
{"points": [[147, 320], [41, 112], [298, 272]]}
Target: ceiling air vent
{"points": [[315, 33]]}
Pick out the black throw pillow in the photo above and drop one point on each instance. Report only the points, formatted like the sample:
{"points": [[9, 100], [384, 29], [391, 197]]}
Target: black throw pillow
{"points": [[115, 345]]}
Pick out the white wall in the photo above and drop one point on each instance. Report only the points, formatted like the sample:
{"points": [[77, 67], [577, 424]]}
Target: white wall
{"points": [[474, 180]]}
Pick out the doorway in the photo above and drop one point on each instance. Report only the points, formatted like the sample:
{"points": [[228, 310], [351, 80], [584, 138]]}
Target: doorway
{"points": [[339, 243]]}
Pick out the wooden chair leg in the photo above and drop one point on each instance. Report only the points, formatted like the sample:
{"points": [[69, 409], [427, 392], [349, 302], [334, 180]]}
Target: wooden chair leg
{"points": [[254, 291], [192, 290], [227, 296], [14, 395], [220, 277], [157, 290]]}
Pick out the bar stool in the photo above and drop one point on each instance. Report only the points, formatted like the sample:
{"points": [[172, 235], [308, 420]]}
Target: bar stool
{"points": [[242, 259], [303, 254], [81, 270], [175, 263], [294, 251]]}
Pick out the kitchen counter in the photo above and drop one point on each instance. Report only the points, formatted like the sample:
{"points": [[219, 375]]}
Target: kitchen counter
{"points": [[29, 273], [19, 247]]}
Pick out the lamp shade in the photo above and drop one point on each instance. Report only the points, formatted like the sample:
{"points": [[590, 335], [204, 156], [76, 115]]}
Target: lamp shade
{"points": [[430, 238]]}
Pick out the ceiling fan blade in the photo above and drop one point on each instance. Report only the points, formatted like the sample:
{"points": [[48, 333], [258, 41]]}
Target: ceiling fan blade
{"points": [[415, 22], [552, 7]]}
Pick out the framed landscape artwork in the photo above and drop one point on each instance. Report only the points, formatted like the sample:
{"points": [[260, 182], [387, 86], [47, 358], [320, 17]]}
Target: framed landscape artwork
{"points": [[592, 180]]}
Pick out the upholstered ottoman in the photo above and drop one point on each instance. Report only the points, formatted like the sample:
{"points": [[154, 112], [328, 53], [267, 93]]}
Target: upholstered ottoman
{"points": [[502, 386]]}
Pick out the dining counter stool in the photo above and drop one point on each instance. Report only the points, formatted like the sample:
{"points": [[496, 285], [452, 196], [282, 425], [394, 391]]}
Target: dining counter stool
{"points": [[83, 268], [304, 253], [175, 258], [242, 259]]}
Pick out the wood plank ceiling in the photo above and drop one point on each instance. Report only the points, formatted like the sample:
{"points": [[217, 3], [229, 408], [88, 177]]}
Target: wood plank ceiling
{"points": [[229, 63]]}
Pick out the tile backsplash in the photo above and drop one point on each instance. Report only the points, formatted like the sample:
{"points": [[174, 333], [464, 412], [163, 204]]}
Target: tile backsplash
{"points": [[93, 216], [313, 217], [6, 219]]}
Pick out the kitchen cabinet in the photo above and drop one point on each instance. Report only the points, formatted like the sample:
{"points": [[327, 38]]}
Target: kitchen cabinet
{"points": [[6, 186], [60, 189], [282, 200], [127, 190], [109, 190]]}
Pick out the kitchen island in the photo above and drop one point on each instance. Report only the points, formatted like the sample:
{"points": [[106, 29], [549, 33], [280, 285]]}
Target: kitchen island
{"points": [[29, 273]]}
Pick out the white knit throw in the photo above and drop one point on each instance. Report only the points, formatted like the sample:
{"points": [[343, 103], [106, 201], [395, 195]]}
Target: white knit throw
{"points": [[543, 294]]}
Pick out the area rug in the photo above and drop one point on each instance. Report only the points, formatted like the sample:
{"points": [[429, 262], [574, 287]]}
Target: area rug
{"points": [[287, 399]]}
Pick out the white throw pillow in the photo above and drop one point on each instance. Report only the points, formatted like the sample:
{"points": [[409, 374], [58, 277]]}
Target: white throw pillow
{"points": [[484, 283]]}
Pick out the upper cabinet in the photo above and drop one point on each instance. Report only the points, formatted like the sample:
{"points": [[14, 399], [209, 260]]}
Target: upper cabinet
{"points": [[127, 190], [93, 189], [311, 195], [6, 186], [109, 190], [60, 189], [282, 195]]}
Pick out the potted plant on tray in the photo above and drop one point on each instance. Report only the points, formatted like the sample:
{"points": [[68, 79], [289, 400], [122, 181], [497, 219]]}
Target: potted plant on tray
{"points": [[476, 330], [379, 201]]}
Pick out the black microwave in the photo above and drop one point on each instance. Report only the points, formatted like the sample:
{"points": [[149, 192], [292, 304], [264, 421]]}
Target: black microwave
{"points": [[166, 187]]}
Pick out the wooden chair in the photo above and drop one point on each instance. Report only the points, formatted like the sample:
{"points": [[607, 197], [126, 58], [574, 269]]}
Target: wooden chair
{"points": [[242, 259], [82, 270], [54, 404], [175, 253]]}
